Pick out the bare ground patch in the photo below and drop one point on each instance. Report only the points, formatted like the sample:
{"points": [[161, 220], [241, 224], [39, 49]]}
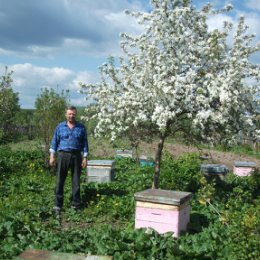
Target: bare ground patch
{"points": [[176, 149], [218, 157]]}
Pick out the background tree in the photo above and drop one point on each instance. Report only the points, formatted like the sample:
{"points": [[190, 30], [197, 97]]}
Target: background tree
{"points": [[25, 124], [9, 106], [49, 111], [178, 70]]}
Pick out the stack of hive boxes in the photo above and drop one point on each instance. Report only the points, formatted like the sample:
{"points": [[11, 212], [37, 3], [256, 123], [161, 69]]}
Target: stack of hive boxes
{"points": [[163, 210]]}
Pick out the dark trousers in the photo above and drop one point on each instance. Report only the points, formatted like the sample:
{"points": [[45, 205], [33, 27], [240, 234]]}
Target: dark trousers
{"points": [[68, 161]]}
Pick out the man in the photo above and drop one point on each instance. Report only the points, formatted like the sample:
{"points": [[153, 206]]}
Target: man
{"points": [[71, 143]]}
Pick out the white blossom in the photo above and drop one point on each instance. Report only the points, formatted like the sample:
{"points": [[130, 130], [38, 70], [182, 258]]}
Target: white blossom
{"points": [[178, 69]]}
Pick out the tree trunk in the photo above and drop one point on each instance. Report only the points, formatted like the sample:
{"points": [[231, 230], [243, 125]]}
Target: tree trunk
{"points": [[158, 158], [135, 146]]}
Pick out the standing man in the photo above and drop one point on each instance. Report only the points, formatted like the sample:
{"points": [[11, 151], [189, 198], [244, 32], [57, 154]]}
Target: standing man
{"points": [[71, 143]]}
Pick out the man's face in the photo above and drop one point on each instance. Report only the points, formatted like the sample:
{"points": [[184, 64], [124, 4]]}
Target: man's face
{"points": [[71, 115]]}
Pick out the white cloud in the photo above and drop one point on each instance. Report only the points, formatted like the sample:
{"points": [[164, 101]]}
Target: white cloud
{"points": [[82, 77], [217, 21], [62, 25], [58, 43], [253, 4], [28, 80], [253, 21]]}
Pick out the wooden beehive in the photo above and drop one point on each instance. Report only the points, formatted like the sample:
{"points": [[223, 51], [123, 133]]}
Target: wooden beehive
{"points": [[214, 170], [243, 168], [37, 254], [124, 153], [163, 210], [100, 171]]}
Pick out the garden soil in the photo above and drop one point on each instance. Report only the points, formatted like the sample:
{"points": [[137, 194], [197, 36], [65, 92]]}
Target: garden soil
{"points": [[177, 149], [218, 157]]}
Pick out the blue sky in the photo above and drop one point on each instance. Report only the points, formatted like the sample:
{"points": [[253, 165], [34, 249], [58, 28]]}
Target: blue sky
{"points": [[57, 44]]}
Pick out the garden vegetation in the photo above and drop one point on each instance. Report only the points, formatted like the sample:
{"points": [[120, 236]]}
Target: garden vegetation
{"points": [[225, 222]]}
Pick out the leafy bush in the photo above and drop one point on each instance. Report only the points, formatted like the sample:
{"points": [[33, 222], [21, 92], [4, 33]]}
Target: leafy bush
{"points": [[182, 174]]}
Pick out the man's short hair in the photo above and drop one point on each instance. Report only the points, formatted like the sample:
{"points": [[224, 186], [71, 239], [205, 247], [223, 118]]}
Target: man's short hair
{"points": [[71, 108]]}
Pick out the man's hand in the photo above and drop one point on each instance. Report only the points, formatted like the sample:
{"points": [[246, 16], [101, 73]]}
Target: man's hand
{"points": [[52, 160], [84, 163]]}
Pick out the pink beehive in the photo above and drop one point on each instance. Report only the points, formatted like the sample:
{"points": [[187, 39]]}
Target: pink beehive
{"points": [[243, 168], [163, 210]]}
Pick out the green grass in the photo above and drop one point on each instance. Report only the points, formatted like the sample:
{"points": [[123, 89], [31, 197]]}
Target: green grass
{"points": [[26, 145]]}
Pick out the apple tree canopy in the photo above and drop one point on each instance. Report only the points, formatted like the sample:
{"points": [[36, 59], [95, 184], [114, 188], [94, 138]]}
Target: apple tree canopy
{"points": [[177, 69]]}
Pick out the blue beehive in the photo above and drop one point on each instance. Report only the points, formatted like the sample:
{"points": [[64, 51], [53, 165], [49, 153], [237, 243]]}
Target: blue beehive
{"points": [[100, 171], [144, 161], [214, 170]]}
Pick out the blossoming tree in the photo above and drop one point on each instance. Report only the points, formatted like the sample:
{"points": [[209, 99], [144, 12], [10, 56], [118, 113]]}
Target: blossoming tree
{"points": [[179, 70]]}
